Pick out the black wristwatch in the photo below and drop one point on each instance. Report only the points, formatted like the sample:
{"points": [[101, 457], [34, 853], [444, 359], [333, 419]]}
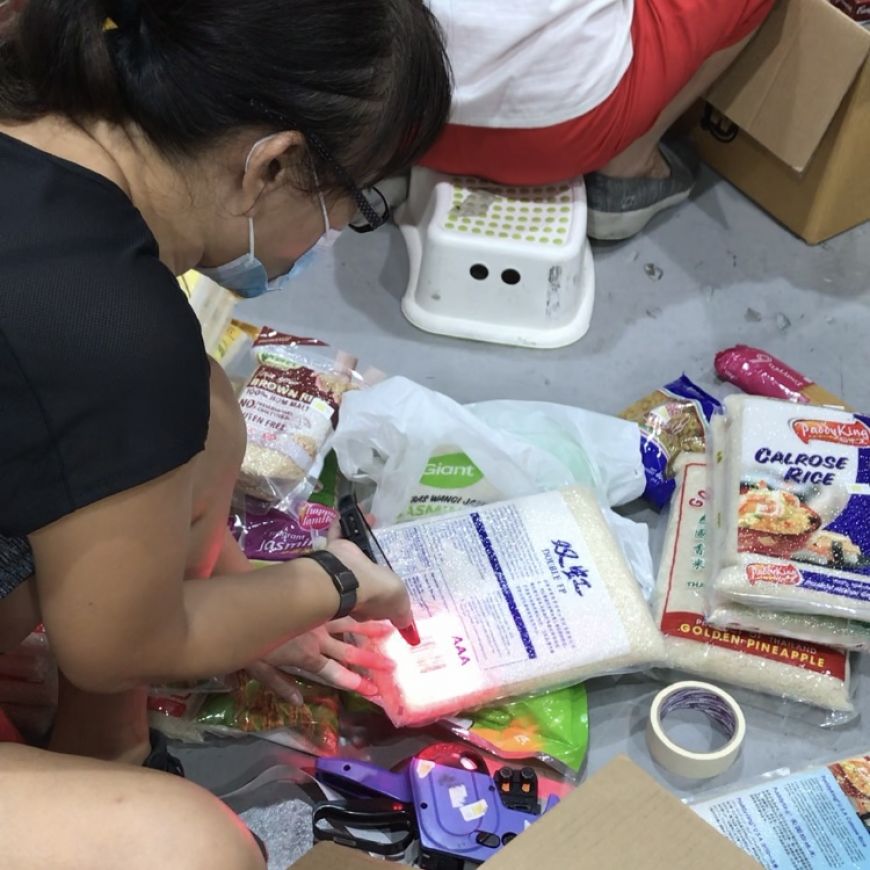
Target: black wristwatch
{"points": [[342, 577]]}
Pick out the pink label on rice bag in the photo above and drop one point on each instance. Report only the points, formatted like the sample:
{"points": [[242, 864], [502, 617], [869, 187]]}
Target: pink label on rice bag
{"points": [[760, 374]]}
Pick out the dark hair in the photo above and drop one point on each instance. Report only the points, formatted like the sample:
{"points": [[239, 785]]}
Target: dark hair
{"points": [[366, 81]]}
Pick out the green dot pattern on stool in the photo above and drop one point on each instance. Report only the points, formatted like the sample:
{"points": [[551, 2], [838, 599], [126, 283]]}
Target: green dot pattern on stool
{"points": [[540, 215]]}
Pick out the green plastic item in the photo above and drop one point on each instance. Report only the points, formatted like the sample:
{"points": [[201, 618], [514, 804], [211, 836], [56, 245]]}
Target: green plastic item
{"points": [[552, 727]]}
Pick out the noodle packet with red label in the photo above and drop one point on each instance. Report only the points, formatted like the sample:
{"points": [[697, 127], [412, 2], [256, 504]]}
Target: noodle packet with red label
{"points": [[290, 405], [760, 374]]}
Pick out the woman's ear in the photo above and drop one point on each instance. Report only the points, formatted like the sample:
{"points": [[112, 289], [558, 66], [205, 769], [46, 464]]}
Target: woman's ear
{"points": [[270, 164]]}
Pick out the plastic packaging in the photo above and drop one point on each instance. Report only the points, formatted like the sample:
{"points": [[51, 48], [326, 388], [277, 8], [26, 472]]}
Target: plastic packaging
{"points": [[252, 709], [296, 527], [816, 818], [673, 420], [758, 373], [212, 305], [310, 727], [290, 405], [511, 599], [553, 728], [792, 507], [426, 454], [799, 671], [29, 684], [236, 340]]}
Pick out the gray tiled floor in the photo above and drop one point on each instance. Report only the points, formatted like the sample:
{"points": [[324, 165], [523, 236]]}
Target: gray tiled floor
{"points": [[728, 274]]}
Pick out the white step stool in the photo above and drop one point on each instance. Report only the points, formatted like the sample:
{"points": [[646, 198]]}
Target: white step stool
{"points": [[509, 265]]}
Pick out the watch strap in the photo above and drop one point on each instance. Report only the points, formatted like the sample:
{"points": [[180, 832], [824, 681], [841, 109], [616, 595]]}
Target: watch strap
{"points": [[343, 579]]}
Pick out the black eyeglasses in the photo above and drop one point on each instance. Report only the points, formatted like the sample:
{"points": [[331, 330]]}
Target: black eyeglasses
{"points": [[373, 210]]}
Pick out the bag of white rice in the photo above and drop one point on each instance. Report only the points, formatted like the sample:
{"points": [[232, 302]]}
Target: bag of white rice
{"points": [[511, 598], [793, 509], [776, 666]]}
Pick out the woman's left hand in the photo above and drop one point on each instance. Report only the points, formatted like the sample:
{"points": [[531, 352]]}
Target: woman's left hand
{"points": [[323, 656]]}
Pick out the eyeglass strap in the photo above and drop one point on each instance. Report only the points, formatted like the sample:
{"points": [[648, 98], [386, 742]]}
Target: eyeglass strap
{"points": [[364, 206]]}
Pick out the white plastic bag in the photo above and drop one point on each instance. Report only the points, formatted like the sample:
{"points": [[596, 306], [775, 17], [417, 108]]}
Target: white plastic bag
{"points": [[427, 454]]}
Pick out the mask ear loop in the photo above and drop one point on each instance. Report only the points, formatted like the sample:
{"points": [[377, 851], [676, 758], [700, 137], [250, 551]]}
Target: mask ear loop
{"points": [[254, 147]]}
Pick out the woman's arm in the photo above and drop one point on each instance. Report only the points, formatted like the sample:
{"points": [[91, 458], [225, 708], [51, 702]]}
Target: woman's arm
{"points": [[113, 598]]}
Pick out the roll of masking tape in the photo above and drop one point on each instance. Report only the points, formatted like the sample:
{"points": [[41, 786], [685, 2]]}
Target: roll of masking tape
{"points": [[720, 708]]}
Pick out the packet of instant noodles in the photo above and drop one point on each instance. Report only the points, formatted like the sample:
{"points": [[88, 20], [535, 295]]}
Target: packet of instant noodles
{"points": [[310, 727], [673, 420], [758, 373]]}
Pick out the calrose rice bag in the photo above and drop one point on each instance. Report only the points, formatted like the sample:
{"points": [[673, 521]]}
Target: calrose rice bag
{"points": [[793, 508], [774, 665]]}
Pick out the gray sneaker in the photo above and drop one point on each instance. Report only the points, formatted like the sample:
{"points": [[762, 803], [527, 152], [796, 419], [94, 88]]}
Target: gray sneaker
{"points": [[619, 208]]}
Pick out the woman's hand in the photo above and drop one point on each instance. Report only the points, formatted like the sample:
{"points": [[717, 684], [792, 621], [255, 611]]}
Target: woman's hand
{"points": [[323, 656]]}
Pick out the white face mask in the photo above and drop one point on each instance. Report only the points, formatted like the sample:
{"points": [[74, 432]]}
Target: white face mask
{"points": [[247, 276]]}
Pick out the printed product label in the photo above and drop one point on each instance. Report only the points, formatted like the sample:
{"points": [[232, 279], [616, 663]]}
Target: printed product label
{"points": [[683, 617], [510, 585], [804, 499], [818, 820], [291, 410], [449, 482]]}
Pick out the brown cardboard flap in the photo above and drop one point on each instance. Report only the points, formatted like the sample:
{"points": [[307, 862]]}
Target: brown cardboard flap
{"points": [[788, 83], [621, 818], [328, 856]]}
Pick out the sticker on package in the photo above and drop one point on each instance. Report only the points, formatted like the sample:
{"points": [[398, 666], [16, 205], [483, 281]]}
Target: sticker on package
{"points": [[777, 666], [793, 509], [509, 599]]}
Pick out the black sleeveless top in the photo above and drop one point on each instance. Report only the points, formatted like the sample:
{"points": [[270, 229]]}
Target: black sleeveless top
{"points": [[104, 381]]}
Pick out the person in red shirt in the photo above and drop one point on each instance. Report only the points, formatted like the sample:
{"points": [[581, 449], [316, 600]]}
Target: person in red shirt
{"points": [[549, 91]]}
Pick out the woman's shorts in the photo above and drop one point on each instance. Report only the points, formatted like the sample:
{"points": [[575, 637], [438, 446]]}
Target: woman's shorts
{"points": [[16, 563], [671, 39]]}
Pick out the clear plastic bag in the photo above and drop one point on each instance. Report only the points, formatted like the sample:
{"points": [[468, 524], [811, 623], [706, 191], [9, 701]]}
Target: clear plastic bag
{"points": [[766, 663], [293, 528], [792, 502], [511, 599], [252, 709]]}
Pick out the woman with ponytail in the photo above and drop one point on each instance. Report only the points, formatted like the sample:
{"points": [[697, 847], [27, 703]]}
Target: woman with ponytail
{"points": [[140, 139]]}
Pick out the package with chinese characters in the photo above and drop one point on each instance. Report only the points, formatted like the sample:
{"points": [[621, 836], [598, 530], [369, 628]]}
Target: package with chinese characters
{"points": [[764, 662], [510, 599]]}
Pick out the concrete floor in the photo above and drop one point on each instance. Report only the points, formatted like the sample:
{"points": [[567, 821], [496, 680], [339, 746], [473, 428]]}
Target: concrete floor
{"points": [[725, 273]]}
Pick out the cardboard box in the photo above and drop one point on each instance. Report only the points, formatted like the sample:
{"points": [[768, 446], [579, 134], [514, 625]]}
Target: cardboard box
{"points": [[621, 818], [789, 123]]}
